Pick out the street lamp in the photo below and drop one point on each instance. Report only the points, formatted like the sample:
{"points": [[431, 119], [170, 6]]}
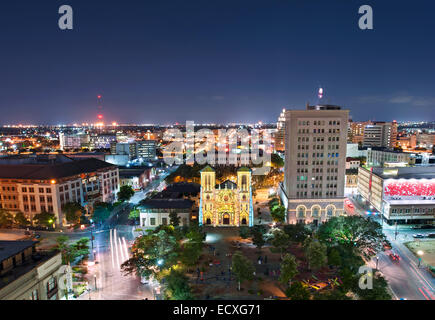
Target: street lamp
{"points": [[95, 281], [420, 253]]}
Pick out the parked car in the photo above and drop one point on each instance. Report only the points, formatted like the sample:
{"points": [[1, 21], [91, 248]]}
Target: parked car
{"points": [[431, 235], [418, 236]]}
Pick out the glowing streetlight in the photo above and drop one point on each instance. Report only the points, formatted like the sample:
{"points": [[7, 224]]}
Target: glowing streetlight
{"points": [[420, 254]]}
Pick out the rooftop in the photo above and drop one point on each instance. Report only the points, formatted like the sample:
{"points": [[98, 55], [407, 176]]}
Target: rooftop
{"points": [[51, 170], [427, 172], [11, 248], [166, 204]]}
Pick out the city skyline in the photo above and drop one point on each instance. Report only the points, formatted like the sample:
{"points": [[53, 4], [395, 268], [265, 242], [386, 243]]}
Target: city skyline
{"points": [[216, 62]]}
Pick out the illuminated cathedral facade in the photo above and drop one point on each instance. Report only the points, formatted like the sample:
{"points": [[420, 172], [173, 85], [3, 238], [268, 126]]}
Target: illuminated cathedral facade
{"points": [[228, 204]]}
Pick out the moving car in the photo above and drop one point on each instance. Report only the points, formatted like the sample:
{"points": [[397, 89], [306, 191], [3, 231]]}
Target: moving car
{"points": [[394, 257], [418, 236]]}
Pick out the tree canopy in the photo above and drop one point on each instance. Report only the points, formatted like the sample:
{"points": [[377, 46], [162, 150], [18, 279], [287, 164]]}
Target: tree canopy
{"points": [[357, 232], [73, 211], [125, 193], [242, 267]]}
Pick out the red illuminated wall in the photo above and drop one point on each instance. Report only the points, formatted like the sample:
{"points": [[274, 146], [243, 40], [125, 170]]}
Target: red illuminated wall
{"points": [[410, 188]]}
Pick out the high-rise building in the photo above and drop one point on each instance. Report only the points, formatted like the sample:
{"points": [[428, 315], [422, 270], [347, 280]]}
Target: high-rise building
{"points": [[315, 163], [280, 132], [124, 149], [73, 141], [356, 131], [146, 149], [380, 134]]}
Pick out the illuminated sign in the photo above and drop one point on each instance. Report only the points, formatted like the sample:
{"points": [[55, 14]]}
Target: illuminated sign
{"points": [[410, 188]]}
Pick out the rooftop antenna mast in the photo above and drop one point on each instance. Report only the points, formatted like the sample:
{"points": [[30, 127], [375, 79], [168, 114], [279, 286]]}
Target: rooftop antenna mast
{"points": [[100, 110]]}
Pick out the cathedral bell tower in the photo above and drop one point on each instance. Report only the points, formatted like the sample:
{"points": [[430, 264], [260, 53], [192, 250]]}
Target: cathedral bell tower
{"points": [[244, 193], [208, 183]]}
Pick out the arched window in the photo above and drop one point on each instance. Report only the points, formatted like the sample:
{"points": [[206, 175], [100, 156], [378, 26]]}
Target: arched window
{"points": [[330, 211], [315, 211], [244, 183], [301, 212]]}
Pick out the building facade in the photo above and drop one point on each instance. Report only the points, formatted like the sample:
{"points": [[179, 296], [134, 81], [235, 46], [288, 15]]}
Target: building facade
{"points": [[45, 186], [28, 274], [228, 203], [379, 156], [315, 162], [380, 134], [402, 195]]}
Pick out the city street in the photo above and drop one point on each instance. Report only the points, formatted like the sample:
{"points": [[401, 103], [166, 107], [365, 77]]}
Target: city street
{"points": [[406, 279]]}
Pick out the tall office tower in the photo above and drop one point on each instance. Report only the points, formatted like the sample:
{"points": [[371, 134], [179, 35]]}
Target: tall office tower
{"points": [[380, 134], [356, 131], [315, 163], [280, 132], [146, 149]]}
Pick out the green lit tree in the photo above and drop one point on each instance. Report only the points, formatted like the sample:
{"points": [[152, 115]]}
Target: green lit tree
{"points": [[152, 253], [280, 241], [242, 268], [177, 286], [289, 269], [316, 255], [125, 193]]}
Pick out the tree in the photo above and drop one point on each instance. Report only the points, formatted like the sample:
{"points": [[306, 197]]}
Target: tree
{"points": [[125, 193], [152, 253], [191, 254], [365, 235], [244, 232], [316, 255], [278, 213], [242, 268], [177, 286], [297, 292], [6, 219], [134, 214], [101, 212], [277, 161], [45, 219], [289, 269], [378, 292], [73, 211], [258, 236], [280, 240], [174, 219], [334, 258], [297, 232], [21, 220], [82, 247], [70, 252]]}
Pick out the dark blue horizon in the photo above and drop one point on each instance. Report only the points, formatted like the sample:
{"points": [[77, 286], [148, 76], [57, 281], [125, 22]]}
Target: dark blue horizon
{"points": [[214, 61]]}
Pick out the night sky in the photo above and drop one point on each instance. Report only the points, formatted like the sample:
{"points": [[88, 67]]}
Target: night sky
{"points": [[214, 61]]}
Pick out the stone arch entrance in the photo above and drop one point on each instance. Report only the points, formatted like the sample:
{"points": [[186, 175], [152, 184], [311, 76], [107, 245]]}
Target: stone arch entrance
{"points": [[208, 221], [226, 219], [244, 222]]}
